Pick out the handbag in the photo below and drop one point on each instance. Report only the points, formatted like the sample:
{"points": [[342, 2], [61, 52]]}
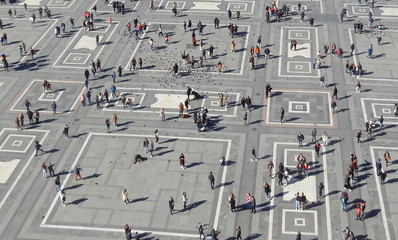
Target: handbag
{"points": [[388, 158]]}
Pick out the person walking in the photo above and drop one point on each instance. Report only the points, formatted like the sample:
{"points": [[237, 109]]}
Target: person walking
{"points": [[267, 191], [182, 161], [325, 138], [151, 148], [211, 180], [335, 91], [114, 119], [270, 168], [370, 51], [54, 107], [317, 148], [171, 205], [344, 200], [245, 118], [201, 232], [248, 201], [18, 123], [232, 202], [184, 199], [125, 196], [38, 147], [358, 87], [78, 170], [145, 145], [238, 233], [253, 156], [359, 135], [387, 158], [322, 81], [62, 197], [156, 136], [313, 134]]}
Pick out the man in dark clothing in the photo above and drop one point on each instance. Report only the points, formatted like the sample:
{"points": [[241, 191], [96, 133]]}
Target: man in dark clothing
{"points": [[211, 179], [38, 147]]}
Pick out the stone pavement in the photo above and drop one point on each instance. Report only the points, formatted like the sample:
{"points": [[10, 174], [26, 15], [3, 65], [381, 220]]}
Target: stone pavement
{"points": [[30, 207]]}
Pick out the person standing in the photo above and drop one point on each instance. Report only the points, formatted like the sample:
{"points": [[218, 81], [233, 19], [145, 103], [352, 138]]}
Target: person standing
{"points": [[182, 161], [232, 202], [114, 119], [322, 81], [344, 201], [66, 131], [358, 87], [248, 201], [145, 145], [108, 125], [270, 168], [57, 183], [78, 170], [282, 111], [38, 147], [245, 118], [253, 156], [238, 233], [50, 168], [171, 205], [321, 188], [21, 119], [370, 51], [162, 115], [325, 138], [125, 196], [184, 199], [211, 180], [300, 138], [18, 123], [151, 148], [313, 134], [267, 191], [317, 148], [44, 170], [54, 107], [298, 200], [253, 204], [201, 232], [383, 176]]}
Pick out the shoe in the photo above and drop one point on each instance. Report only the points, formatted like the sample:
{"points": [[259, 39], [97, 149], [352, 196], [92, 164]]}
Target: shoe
{"points": [[251, 159]]}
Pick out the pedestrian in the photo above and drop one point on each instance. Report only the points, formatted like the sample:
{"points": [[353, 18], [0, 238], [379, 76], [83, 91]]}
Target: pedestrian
{"points": [[162, 114], [62, 196], [151, 148], [344, 200], [267, 52], [248, 201], [313, 134], [325, 138], [378, 167], [333, 105], [108, 125], [78, 170], [211, 180], [352, 49], [322, 81], [113, 75], [114, 119], [201, 232], [370, 51], [383, 176], [37, 116], [317, 148], [300, 138], [298, 236], [267, 191], [253, 156], [156, 136], [303, 201], [184, 199], [359, 135], [321, 188], [171, 205], [335, 93], [362, 204], [50, 168], [270, 168], [232, 202], [18, 123], [282, 112], [245, 118], [44, 170], [38, 147], [57, 183], [125, 196], [387, 158], [238, 233], [182, 161], [358, 212], [253, 204], [298, 201], [358, 87], [54, 107]]}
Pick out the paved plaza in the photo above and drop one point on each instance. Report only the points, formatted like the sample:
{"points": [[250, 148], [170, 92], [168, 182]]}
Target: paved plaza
{"points": [[54, 80]]}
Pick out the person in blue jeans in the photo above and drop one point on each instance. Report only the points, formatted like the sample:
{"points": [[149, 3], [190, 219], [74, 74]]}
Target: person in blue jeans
{"points": [[344, 201]]}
